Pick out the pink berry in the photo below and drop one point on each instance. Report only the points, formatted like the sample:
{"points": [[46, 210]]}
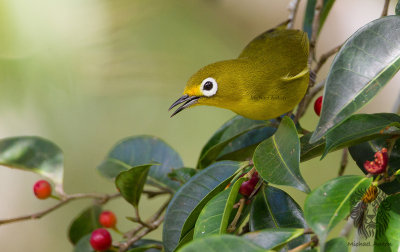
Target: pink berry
{"points": [[42, 189], [100, 239], [318, 105], [108, 219], [379, 164]]}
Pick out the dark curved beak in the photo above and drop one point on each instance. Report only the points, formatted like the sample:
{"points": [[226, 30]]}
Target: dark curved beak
{"points": [[187, 102]]}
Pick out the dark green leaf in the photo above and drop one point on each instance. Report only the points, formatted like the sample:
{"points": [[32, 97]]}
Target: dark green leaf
{"points": [[84, 223], [360, 128], [192, 197], [219, 243], [308, 150], [397, 10], [273, 238], [214, 218], [237, 133], [274, 208], [330, 203], [34, 154], [336, 244], [365, 63], [131, 182], [141, 150], [182, 175], [83, 245], [387, 235], [277, 159], [365, 151], [310, 12]]}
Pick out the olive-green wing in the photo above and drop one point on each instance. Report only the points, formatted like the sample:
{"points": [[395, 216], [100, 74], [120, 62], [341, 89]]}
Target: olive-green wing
{"points": [[288, 48]]}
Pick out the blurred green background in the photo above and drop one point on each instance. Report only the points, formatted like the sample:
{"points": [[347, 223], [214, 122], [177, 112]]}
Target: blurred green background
{"points": [[86, 74]]}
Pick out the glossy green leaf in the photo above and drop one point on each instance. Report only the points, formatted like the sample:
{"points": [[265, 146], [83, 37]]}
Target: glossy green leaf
{"points": [[365, 151], [145, 245], [182, 175], [214, 218], [219, 243], [34, 154], [84, 223], [277, 159], [360, 128], [330, 203], [309, 15], [397, 10], [365, 63], [274, 238], [83, 245], [234, 135], [130, 183], [192, 197], [310, 150], [337, 244], [141, 150], [387, 235], [274, 208]]}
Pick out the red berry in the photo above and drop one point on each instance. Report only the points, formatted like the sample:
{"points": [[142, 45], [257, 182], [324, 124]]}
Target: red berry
{"points": [[379, 164], [42, 189], [107, 219], [318, 105], [100, 239], [248, 186]]}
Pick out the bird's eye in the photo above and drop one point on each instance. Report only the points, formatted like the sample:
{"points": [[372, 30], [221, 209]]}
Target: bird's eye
{"points": [[209, 87]]}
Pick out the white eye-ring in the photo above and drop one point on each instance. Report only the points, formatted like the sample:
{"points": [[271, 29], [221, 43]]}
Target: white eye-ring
{"points": [[209, 87]]}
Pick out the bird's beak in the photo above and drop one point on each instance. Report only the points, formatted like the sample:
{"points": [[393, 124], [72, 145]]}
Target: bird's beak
{"points": [[187, 102]]}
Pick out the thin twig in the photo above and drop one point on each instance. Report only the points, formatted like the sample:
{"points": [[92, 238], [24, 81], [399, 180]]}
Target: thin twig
{"points": [[385, 8], [301, 247], [102, 198], [324, 57], [152, 194], [315, 28], [232, 226], [311, 93], [343, 163], [347, 228], [293, 7]]}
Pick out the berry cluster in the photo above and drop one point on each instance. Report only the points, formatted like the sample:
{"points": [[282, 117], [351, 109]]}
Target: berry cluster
{"points": [[379, 164]]}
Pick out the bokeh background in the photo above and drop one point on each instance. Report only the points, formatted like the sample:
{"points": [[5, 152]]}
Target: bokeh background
{"points": [[86, 74]]}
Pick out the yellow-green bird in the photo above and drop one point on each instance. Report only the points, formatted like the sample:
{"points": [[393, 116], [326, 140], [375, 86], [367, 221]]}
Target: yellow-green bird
{"points": [[268, 79]]}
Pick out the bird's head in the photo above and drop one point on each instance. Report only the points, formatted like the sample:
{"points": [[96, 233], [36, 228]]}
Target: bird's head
{"points": [[212, 85]]}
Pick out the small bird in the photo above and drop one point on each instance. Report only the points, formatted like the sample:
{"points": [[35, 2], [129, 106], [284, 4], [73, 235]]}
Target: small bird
{"points": [[268, 79]]}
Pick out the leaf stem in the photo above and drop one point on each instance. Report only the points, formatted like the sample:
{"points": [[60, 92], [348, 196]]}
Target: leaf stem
{"points": [[232, 226]]}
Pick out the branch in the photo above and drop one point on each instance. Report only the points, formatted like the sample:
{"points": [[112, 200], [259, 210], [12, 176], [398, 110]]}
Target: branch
{"points": [[293, 6], [385, 8], [343, 163], [311, 93], [315, 28], [102, 199], [324, 57]]}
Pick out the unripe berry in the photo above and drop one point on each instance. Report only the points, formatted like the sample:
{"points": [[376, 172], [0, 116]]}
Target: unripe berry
{"points": [[318, 105], [107, 219], [100, 239], [42, 189]]}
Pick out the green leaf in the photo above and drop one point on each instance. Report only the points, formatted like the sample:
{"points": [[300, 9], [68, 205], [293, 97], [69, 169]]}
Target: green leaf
{"points": [[309, 151], [337, 244], [309, 15], [142, 150], [214, 218], [387, 235], [83, 245], [360, 128], [237, 133], [84, 223], [274, 238], [397, 10], [330, 203], [130, 183], [34, 154], [365, 151], [192, 197], [277, 159], [219, 243], [182, 175], [274, 208], [365, 63]]}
